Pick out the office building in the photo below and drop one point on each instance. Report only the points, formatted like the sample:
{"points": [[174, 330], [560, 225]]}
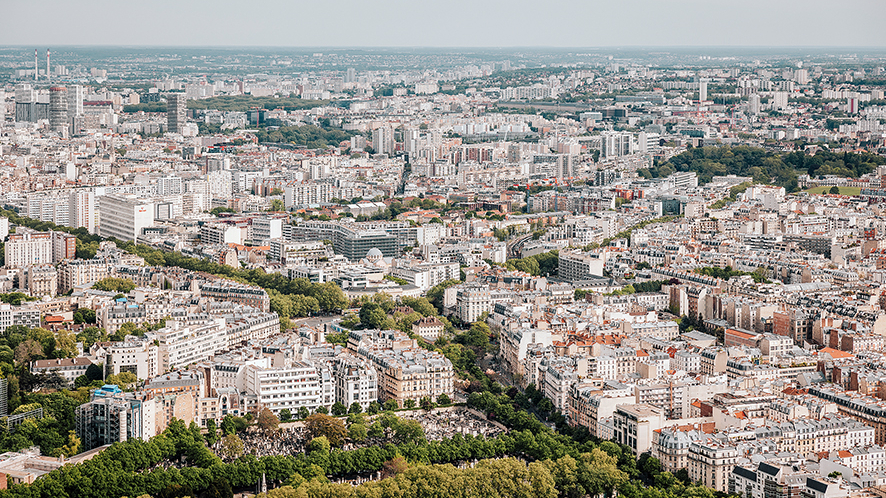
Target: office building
{"points": [[124, 216], [76, 95], [176, 115], [113, 416]]}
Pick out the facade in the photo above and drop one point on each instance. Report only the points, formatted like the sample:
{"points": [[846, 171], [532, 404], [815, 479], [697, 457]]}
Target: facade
{"points": [[579, 266], [68, 368], [58, 110], [112, 416], [356, 381], [29, 248], [634, 425], [124, 216], [226, 290], [471, 302], [76, 272], [176, 112]]}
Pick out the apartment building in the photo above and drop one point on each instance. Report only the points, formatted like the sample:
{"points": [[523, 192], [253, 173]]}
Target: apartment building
{"points": [[299, 384], [124, 216], [356, 381], [228, 290], [76, 272], [634, 425], [412, 373]]}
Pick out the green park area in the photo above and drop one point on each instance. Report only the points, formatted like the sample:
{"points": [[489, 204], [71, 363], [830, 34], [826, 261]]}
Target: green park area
{"points": [[839, 190]]}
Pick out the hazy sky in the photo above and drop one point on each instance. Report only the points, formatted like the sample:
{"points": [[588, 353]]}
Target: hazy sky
{"points": [[447, 23]]}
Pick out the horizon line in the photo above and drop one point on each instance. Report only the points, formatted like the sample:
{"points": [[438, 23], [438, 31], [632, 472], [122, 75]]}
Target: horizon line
{"points": [[459, 47]]}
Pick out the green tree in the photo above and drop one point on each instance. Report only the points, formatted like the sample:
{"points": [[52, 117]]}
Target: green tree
{"points": [[277, 205], [285, 415], [338, 409], [211, 432], [835, 190]]}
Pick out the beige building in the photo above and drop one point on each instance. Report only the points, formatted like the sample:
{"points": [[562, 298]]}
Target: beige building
{"points": [[711, 463], [634, 425]]}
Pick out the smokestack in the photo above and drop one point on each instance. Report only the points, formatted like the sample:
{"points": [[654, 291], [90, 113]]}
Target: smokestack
{"points": [[36, 68], [47, 63]]}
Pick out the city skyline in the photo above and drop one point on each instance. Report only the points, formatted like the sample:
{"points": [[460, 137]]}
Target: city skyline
{"points": [[682, 23]]}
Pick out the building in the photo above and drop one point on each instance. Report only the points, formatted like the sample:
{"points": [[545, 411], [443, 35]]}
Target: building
{"points": [[634, 425], [58, 110], [176, 115], [112, 416], [29, 248], [576, 265], [228, 290], [76, 272], [124, 216], [299, 384], [711, 462], [356, 381], [428, 328], [39, 280], [383, 140], [472, 302], [68, 368], [81, 209]]}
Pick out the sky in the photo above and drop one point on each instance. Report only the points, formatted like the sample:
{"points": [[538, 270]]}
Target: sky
{"points": [[448, 23]]}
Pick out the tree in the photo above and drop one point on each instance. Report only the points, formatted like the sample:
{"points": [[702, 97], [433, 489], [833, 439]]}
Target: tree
{"points": [[112, 284], [72, 447], [285, 415], [355, 408], [231, 447], [426, 403], [339, 409], [394, 466], [267, 421], [357, 433], [835, 190], [27, 351], [372, 316], [332, 428], [211, 432], [443, 399], [303, 413], [227, 426], [84, 315], [277, 205], [373, 408], [409, 403]]}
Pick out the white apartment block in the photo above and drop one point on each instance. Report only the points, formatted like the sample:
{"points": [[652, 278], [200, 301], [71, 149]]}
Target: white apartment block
{"points": [[183, 343], [304, 383]]}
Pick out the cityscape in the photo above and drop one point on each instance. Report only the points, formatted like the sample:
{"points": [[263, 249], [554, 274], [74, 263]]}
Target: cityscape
{"points": [[332, 271]]}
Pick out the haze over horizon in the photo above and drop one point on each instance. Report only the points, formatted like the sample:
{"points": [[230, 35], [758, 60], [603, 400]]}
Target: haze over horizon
{"points": [[398, 23]]}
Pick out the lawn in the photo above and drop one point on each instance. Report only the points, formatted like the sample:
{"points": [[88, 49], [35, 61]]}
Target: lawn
{"points": [[843, 190]]}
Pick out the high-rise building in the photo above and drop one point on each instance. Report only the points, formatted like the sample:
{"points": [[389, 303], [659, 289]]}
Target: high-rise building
{"points": [[170, 185], [175, 112], [81, 209], [754, 104], [702, 90], [75, 101], [124, 216], [58, 109], [779, 100], [383, 140], [350, 75], [616, 144]]}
